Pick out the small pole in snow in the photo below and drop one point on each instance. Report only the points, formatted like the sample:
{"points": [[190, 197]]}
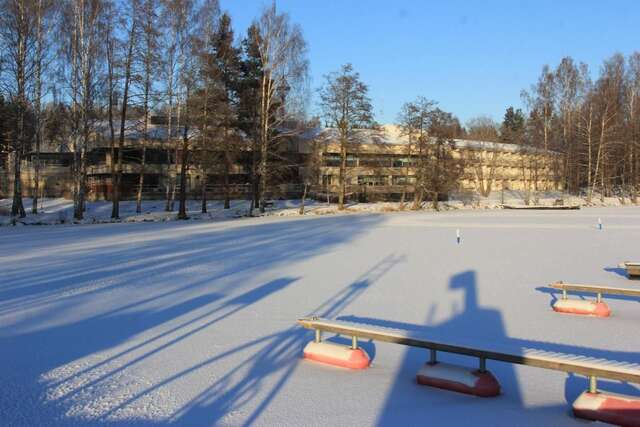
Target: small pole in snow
{"points": [[599, 224], [458, 235]]}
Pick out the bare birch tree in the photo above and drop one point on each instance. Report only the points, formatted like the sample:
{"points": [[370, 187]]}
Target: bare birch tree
{"points": [[207, 14], [284, 68], [84, 23], [346, 107], [148, 59], [44, 20], [483, 159], [175, 18], [632, 127], [19, 42], [414, 122], [129, 43], [442, 170], [569, 85]]}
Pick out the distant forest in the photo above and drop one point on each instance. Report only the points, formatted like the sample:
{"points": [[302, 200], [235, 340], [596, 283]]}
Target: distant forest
{"points": [[70, 66]]}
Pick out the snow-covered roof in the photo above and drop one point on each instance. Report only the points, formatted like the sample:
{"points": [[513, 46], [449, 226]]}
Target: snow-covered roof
{"points": [[392, 135], [134, 129]]}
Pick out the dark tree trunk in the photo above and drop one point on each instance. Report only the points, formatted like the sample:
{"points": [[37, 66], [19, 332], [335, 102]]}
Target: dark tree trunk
{"points": [[141, 180], [227, 167], [17, 208], [182, 212], [204, 193]]}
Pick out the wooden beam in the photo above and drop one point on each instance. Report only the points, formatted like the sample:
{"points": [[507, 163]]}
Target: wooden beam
{"points": [[581, 365], [633, 268], [595, 289], [541, 207]]}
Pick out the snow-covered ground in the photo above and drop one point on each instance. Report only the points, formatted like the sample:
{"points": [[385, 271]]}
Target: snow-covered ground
{"points": [[60, 211], [193, 323]]}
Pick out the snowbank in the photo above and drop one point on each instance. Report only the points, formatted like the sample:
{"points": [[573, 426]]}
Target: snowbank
{"points": [[60, 211]]}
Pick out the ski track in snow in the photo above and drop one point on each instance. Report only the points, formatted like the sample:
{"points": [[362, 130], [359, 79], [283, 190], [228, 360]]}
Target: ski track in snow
{"points": [[193, 324]]}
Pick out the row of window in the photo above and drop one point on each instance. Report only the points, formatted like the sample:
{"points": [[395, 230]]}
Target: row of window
{"points": [[373, 180], [381, 180], [352, 160], [333, 160]]}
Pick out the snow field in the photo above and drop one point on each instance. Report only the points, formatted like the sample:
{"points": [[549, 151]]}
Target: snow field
{"points": [[193, 324]]}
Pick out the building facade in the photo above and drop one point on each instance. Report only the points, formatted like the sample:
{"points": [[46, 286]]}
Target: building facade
{"points": [[381, 165]]}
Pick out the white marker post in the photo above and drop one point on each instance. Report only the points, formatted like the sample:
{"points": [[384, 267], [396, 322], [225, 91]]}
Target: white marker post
{"points": [[458, 235], [599, 224]]}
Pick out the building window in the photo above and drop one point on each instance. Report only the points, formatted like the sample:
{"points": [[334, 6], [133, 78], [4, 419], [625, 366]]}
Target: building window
{"points": [[401, 179], [402, 162], [331, 160], [374, 161], [55, 159], [372, 180]]}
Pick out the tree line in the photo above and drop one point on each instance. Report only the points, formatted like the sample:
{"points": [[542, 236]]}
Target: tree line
{"points": [[593, 124], [72, 70]]}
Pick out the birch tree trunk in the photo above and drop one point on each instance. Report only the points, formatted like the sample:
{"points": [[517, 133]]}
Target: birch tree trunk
{"points": [[38, 105], [123, 116], [182, 213], [304, 196], [17, 208]]}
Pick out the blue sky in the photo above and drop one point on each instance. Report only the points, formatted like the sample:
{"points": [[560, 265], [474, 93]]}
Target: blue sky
{"points": [[473, 57]]}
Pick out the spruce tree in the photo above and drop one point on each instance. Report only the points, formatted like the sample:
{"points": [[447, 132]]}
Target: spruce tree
{"points": [[513, 126], [248, 107]]}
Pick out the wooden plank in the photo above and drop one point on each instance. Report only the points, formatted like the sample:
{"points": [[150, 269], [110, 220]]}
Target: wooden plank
{"points": [[602, 368], [596, 289], [633, 268], [542, 207]]}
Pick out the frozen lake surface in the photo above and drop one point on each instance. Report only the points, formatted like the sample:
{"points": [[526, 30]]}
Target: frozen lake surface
{"points": [[193, 324]]}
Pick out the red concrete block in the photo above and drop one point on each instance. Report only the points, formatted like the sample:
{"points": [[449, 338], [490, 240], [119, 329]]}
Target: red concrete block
{"points": [[337, 355], [582, 307], [608, 407], [459, 378]]}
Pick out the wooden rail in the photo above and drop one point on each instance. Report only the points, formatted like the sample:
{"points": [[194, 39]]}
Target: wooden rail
{"points": [[591, 367], [542, 207], [595, 289], [633, 268]]}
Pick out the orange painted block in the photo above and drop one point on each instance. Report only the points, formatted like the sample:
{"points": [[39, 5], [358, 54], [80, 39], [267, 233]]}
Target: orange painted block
{"points": [[459, 379], [608, 407], [582, 307], [337, 355]]}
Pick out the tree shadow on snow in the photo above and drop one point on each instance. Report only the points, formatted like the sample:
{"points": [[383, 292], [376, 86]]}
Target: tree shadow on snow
{"points": [[169, 288], [164, 330], [273, 357], [112, 257]]}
